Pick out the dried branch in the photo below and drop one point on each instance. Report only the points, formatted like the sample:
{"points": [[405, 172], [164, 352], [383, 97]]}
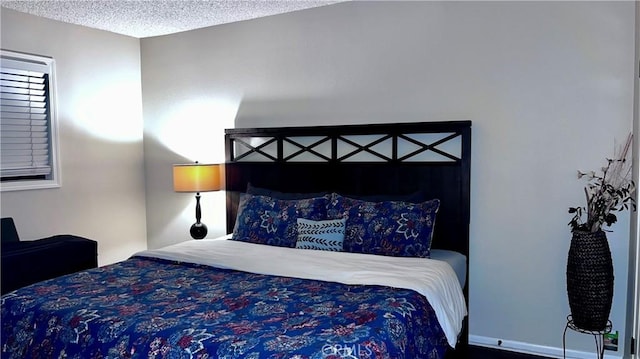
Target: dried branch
{"points": [[613, 191]]}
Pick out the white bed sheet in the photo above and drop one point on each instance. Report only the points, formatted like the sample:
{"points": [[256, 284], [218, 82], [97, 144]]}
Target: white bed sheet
{"points": [[456, 260], [434, 279]]}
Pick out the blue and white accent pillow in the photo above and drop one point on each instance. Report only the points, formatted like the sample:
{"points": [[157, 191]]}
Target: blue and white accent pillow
{"points": [[327, 235], [271, 221]]}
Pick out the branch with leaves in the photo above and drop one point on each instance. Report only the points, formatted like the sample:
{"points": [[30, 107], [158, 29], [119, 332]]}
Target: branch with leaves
{"points": [[611, 191]]}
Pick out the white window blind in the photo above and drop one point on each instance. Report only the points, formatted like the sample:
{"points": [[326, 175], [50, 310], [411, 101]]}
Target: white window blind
{"points": [[26, 121]]}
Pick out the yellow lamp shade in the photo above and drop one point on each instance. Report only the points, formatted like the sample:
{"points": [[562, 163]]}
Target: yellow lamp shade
{"points": [[196, 177]]}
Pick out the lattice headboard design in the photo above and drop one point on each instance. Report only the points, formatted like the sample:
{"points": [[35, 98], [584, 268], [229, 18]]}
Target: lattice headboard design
{"points": [[390, 159]]}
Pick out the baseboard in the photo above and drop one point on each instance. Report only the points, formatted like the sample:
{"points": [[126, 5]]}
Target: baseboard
{"points": [[533, 349]]}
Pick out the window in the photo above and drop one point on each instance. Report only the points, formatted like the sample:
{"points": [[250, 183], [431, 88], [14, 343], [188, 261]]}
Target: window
{"points": [[28, 132]]}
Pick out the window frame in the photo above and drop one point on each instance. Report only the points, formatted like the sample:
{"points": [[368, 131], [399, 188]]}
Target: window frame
{"points": [[55, 178]]}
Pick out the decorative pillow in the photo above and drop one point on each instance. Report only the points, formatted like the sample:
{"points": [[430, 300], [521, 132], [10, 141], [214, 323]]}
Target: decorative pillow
{"points": [[271, 221], [325, 235], [391, 228], [251, 189]]}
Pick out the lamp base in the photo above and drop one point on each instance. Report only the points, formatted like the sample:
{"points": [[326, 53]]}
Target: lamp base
{"points": [[198, 230]]}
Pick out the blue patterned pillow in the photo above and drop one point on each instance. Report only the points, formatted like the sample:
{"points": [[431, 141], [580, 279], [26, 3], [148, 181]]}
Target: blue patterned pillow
{"points": [[390, 228], [266, 220], [325, 235]]}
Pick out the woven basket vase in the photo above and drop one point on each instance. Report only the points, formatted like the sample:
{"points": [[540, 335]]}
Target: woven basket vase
{"points": [[590, 280]]}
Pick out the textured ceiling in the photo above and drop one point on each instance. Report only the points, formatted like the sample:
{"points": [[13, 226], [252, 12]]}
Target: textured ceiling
{"points": [[145, 18]]}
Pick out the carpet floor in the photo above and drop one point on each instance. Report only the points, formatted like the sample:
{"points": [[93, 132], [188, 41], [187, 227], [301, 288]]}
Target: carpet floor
{"points": [[476, 352]]}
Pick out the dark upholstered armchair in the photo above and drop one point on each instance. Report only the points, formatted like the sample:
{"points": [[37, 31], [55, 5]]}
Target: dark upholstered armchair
{"points": [[28, 262]]}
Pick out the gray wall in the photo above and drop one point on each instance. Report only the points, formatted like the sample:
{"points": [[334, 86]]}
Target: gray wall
{"points": [[548, 85], [100, 129]]}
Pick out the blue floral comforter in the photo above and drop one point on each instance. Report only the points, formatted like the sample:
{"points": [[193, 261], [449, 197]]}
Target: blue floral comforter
{"points": [[155, 308]]}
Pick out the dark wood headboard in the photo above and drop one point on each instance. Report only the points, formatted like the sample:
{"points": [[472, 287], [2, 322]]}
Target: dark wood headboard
{"points": [[390, 159]]}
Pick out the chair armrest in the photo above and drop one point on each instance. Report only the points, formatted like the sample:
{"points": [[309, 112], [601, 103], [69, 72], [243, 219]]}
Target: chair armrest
{"points": [[28, 262], [8, 232]]}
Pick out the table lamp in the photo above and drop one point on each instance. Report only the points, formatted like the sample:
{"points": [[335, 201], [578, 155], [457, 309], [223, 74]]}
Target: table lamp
{"points": [[196, 177]]}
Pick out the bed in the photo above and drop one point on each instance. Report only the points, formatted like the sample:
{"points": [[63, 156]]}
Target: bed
{"points": [[288, 294]]}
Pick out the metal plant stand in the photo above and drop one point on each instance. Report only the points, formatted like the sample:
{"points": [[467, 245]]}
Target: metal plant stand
{"points": [[598, 336]]}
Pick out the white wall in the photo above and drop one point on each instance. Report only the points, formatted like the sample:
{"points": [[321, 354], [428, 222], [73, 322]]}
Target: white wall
{"points": [[548, 85], [100, 127], [633, 289]]}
